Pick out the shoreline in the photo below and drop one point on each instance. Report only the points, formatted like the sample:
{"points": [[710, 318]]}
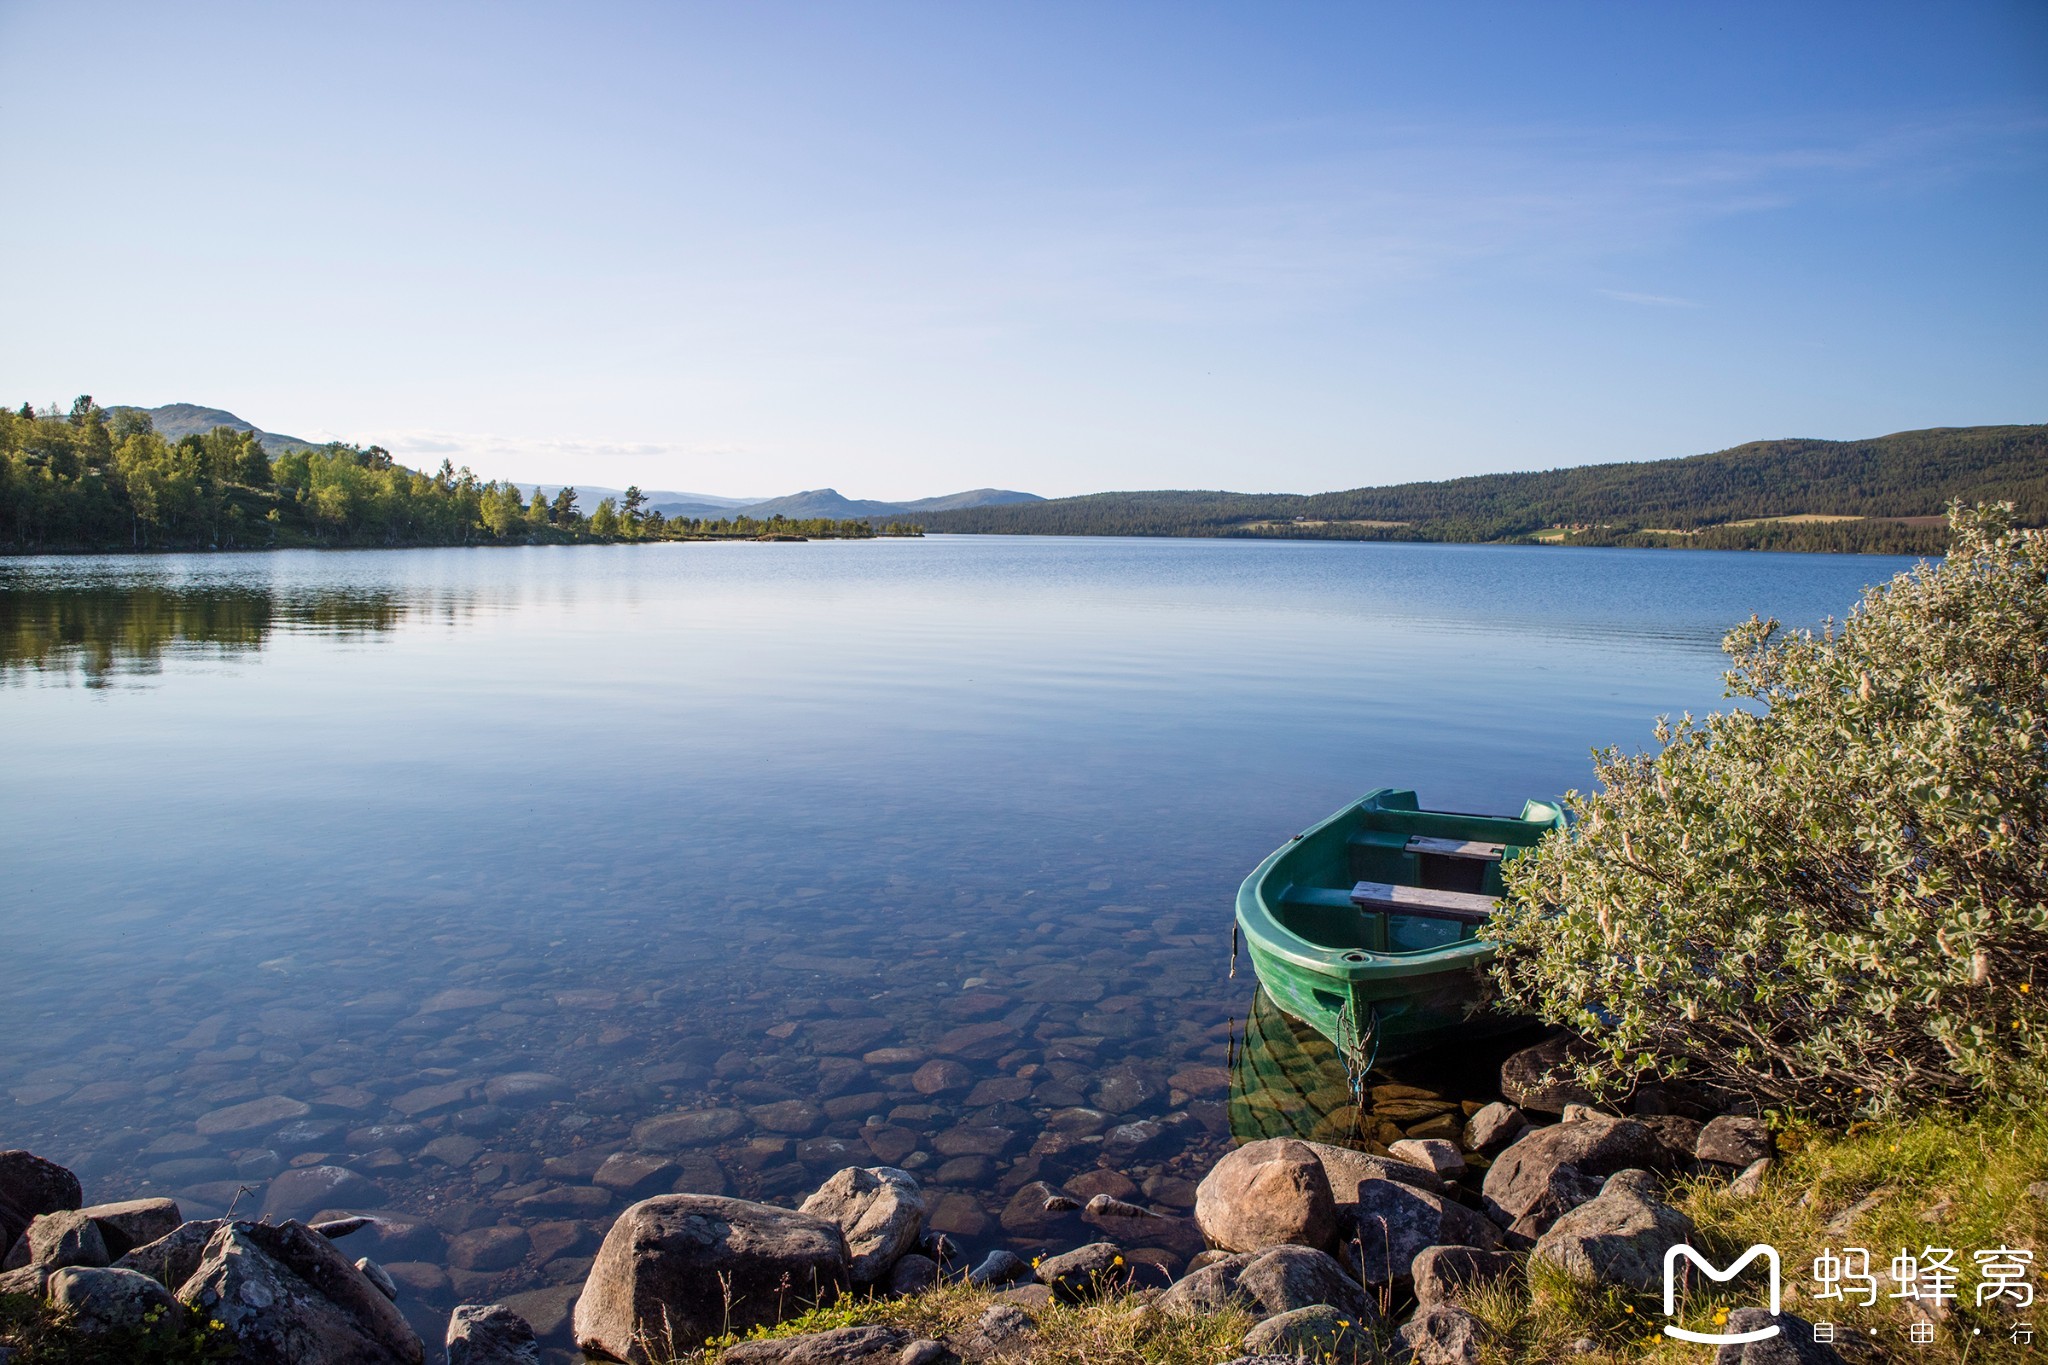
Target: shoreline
{"points": [[1538, 1234]]}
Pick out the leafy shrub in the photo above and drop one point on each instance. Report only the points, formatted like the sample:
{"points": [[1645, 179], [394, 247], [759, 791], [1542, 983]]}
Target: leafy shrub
{"points": [[1831, 899]]}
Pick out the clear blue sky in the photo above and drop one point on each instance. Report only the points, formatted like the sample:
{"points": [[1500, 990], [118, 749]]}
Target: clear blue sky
{"points": [[906, 249]]}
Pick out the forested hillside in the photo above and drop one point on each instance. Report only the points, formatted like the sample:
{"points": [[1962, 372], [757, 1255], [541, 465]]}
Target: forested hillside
{"points": [[1744, 498], [91, 479]]}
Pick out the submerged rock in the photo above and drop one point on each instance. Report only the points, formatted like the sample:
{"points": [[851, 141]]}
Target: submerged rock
{"points": [[307, 1190]]}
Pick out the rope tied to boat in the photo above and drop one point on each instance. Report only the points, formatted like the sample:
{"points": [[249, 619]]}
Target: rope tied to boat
{"points": [[1358, 1050]]}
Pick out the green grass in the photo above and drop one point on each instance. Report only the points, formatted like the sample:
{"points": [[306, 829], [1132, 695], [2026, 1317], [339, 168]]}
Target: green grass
{"points": [[1971, 1175], [42, 1335]]}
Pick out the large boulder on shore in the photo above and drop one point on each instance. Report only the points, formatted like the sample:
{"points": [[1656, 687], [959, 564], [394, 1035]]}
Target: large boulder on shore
{"points": [[102, 1299], [61, 1239], [678, 1269], [1318, 1332], [285, 1296], [1619, 1237], [1444, 1274], [837, 1346], [1264, 1194], [1538, 1078], [1277, 1280], [1440, 1334], [173, 1257], [1085, 1273], [879, 1209], [1348, 1168], [1494, 1127], [1522, 1188], [134, 1222], [1732, 1140], [1395, 1223], [29, 1186]]}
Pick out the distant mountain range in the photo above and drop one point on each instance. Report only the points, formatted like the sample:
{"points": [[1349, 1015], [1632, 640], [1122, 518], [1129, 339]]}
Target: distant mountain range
{"points": [[815, 502], [177, 420]]}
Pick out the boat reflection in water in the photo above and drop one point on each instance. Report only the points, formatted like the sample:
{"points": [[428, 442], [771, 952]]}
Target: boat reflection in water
{"points": [[1287, 1080]]}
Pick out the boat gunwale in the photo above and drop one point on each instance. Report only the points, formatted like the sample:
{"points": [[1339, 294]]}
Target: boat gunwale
{"points": [[1265, 933]]}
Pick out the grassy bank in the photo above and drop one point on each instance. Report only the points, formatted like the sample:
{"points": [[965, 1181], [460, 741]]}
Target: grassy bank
{"points": [[1937, 1181]]}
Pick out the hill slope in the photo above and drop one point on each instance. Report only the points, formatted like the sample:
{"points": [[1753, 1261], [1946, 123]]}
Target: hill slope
{"points": [[1739, 498], [176, 420]]}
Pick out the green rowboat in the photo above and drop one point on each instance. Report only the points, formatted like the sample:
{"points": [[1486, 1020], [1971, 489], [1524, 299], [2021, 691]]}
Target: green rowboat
{"points": [[1366, 927]]}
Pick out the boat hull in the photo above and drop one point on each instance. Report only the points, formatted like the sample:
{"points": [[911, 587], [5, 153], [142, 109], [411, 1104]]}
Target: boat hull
{"points": [[1376, 985]]}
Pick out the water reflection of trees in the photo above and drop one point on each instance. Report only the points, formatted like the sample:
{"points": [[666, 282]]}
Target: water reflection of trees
{"points": [[96, 635]]}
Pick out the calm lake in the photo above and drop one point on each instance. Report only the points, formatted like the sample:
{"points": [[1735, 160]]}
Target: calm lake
{"points": [[441, 882]]}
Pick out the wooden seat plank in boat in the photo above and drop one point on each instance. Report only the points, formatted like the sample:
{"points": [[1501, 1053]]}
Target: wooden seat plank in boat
{"points": [[1474, 849], [1464, 906]]}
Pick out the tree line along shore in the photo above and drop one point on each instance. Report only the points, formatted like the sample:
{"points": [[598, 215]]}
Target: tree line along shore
{"points": [[93, 481], [98, 480], [1884, 495]]}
